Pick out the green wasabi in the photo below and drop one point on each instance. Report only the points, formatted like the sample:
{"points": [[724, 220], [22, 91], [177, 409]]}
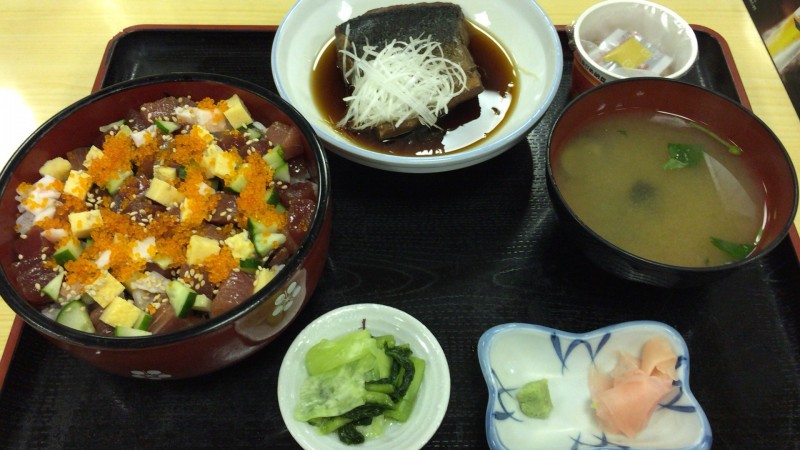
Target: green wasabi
{"points": [[534, 399]]}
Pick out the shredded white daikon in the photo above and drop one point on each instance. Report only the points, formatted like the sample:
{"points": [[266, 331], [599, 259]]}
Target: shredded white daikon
{"points": [[402, 81]]}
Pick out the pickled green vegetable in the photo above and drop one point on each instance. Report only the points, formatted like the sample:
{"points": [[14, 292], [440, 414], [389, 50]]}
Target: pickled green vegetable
{"points": [[357, 383]]}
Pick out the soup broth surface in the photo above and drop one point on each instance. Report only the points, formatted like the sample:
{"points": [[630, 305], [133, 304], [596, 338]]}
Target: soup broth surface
{"points": [[612, 175]]}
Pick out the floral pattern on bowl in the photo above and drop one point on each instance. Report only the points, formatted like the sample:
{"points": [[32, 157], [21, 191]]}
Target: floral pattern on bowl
{"points": [[514, 354]]}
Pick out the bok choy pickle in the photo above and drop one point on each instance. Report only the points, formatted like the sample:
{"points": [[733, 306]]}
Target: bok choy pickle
{"points": [[357, 384]]}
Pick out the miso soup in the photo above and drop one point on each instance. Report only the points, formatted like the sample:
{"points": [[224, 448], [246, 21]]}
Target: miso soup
{"points": [[662, 187]]}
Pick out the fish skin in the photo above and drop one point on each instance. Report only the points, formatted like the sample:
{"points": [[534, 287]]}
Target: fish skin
{"points": [[442, 22]]}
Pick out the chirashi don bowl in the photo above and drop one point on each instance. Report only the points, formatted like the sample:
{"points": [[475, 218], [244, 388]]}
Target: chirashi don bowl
{"points": [[214, 343]]}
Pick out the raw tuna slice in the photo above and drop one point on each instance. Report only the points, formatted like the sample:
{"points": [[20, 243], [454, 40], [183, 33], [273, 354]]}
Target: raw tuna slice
{"points": [[288, 137], [233, 291]]}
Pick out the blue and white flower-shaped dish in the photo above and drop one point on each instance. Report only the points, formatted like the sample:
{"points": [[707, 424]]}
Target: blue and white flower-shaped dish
{"points": [[514, 354]]}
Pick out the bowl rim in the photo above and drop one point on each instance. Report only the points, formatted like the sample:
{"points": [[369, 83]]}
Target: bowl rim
{"points": [[49, 327], [458, 159], [786, 227]]}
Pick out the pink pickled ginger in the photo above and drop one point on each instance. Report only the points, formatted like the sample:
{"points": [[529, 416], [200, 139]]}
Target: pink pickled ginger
{"points": [[625, 398]]}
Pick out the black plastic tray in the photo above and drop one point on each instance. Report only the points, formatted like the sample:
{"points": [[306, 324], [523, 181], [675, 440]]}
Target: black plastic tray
{"points": [[462, 251]]}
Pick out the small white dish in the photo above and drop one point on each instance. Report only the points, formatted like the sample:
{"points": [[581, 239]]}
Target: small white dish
{"points": [[520, 26], [433, 396], [513, 354]]}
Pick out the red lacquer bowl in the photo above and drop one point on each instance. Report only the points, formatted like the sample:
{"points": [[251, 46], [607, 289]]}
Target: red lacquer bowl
{"points": [[220, 341], [762, 153]]}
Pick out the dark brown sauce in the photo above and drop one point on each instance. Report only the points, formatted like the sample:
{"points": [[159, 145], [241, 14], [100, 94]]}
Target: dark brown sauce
{"points": [[463, 127]]}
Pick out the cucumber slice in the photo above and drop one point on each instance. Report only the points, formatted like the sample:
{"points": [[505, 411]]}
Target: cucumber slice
{"points": [[143, 322], [75, 315], [125, 130], [249, 265], [202, 303], [166, 126], [121, 331], [272, 197], [282, 173], [112, 126], [53, 287], [238, 184], [252, 133], [68, 252], [254, 227], [274, 157], [181, 297], [113, 184], [265, 243]]}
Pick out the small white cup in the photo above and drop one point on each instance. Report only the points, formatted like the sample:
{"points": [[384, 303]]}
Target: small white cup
{"points": [[668, 37]]}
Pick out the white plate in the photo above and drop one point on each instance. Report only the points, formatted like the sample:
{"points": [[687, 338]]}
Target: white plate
{"points": [[514, 354], [434, 393], [520, 26]]}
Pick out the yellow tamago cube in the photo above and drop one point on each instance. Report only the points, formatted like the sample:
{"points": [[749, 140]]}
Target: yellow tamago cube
{"points": [[241, 246], [57, 168], [105, 289], [78, 183], [200, 248], [237, 114], [120, 313], [82, 223]]}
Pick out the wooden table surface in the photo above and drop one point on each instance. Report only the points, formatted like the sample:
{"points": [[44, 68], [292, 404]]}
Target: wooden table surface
{"points": [[51, 51]]}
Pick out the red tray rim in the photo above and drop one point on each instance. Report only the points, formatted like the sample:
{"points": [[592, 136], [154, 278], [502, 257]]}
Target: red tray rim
{"points": [[18, 323]]}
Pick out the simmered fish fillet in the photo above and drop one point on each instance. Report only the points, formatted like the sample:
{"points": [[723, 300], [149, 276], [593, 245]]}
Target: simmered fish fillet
{"points": [[443, 22]]}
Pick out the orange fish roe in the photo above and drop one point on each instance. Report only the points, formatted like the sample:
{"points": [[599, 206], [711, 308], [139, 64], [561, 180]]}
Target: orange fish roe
{"points": [[171, 238], [251, 202], [187, 149], [220, 266], [70, 204], [118, 224], [24, 188], [81, 271], [206, 103], [31, 202], [209, 104], [123, 265], [117, 154], [59, 220], [234, 133], [199, 203], [146, 151]]}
